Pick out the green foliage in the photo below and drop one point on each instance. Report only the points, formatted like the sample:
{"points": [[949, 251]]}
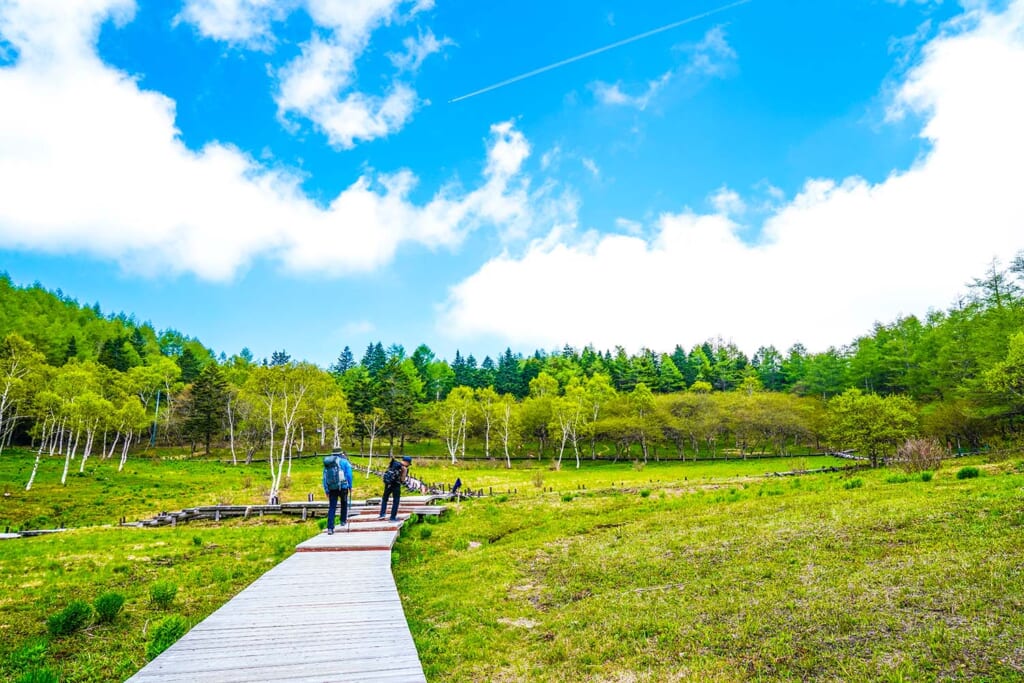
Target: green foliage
{"points": [[426, 532], [645, 493], [72, 618], [38, 676], [968, 473], [107, 606], [927, 476], [870, 424], [166, 633], [162, 593], [897, 479], [30, 654], [197, 541], [854, 483]]}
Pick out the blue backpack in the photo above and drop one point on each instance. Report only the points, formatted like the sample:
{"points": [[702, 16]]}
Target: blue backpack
{"points": [[332, 473]]}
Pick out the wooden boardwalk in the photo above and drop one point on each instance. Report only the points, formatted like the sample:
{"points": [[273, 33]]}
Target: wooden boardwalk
{"points": [[330, 612]]}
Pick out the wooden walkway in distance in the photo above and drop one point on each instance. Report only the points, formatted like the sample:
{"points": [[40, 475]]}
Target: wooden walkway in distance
{"points": [[330, 612]]}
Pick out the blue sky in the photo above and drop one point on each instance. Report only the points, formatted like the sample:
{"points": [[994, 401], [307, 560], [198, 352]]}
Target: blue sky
{"points": [[292, 175]]}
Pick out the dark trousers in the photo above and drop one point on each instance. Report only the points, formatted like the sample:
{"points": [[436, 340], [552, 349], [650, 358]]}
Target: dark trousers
{"points": [[395, 491], [334, 498]]}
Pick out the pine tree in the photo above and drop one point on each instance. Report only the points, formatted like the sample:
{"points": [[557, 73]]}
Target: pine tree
{"points": [[190, 366], [112, 354], [670, 379], [374, 359], [207, 406], [344, 362], [508, 379]]}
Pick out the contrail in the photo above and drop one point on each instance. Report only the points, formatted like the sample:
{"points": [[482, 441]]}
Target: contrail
{"points": [[570, 60]]}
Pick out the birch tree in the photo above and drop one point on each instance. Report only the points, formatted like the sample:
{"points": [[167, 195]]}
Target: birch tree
{"points": [[508, 425], [373, 423], [566, 412], [453, 413], [18, 359], [487, 401], [597, 393], [641, 401], [336, 418]]}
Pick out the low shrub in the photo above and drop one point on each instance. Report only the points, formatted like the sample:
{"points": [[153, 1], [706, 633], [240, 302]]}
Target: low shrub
{"points": [[927, 476], [918, 455], [968, 473], [854, 484], [162, 593], [567, 497], [166, 633], [645, 493], [74, 617], [197, 540], [426, 532], [107, 606], [897, 479]]}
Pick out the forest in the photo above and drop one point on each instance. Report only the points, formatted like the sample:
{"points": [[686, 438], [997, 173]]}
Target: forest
{"points": [[77, 384]]}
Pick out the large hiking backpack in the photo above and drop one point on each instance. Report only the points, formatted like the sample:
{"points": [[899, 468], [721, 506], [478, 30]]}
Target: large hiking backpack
{"points": [[393, 474], [332, 473]]}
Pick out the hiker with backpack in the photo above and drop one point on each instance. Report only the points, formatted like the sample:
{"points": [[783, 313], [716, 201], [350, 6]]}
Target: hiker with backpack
{"points": [[337, 480], [394, 477]]}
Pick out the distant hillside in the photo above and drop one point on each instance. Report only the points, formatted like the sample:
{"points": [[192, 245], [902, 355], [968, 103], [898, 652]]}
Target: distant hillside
{"points": [[61, 328]]}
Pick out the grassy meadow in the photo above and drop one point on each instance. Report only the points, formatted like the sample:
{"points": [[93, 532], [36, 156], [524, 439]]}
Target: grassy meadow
{"points": [[615, 572]]}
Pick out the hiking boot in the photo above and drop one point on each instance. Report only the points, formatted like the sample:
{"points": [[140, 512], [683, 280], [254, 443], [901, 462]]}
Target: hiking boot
{"points": [[330, 532]]}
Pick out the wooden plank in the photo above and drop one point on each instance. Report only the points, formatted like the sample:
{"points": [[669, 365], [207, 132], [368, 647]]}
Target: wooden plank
{"points": [[333, 616], [341, 540]]}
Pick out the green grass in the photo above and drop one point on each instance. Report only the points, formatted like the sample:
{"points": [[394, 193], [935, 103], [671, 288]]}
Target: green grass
{"points": [[40, 576], [614, 572], [773, 580]]}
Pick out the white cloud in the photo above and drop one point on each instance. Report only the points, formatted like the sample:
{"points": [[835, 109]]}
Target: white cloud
{"points": [[417, 50], [728, 202], [591, 166], [612, 93], [550, 158], [320, 85], [831, 261], [712, 56], [91, 163], [245, 23], [628, 226]]}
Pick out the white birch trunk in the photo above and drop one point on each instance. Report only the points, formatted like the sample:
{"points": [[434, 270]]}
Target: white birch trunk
{"points": [[86, 450], [113, 445], [43, 438], [231, 430], [68, 455], [35, 468], [124, 450]]}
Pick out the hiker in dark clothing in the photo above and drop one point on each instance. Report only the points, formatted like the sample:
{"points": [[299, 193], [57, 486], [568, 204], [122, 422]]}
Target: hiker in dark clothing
{"points": [[394, 478], [337, 482], [456, 486]]}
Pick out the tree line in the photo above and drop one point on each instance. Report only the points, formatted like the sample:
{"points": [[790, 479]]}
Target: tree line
{"points": [[78, 384]]}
